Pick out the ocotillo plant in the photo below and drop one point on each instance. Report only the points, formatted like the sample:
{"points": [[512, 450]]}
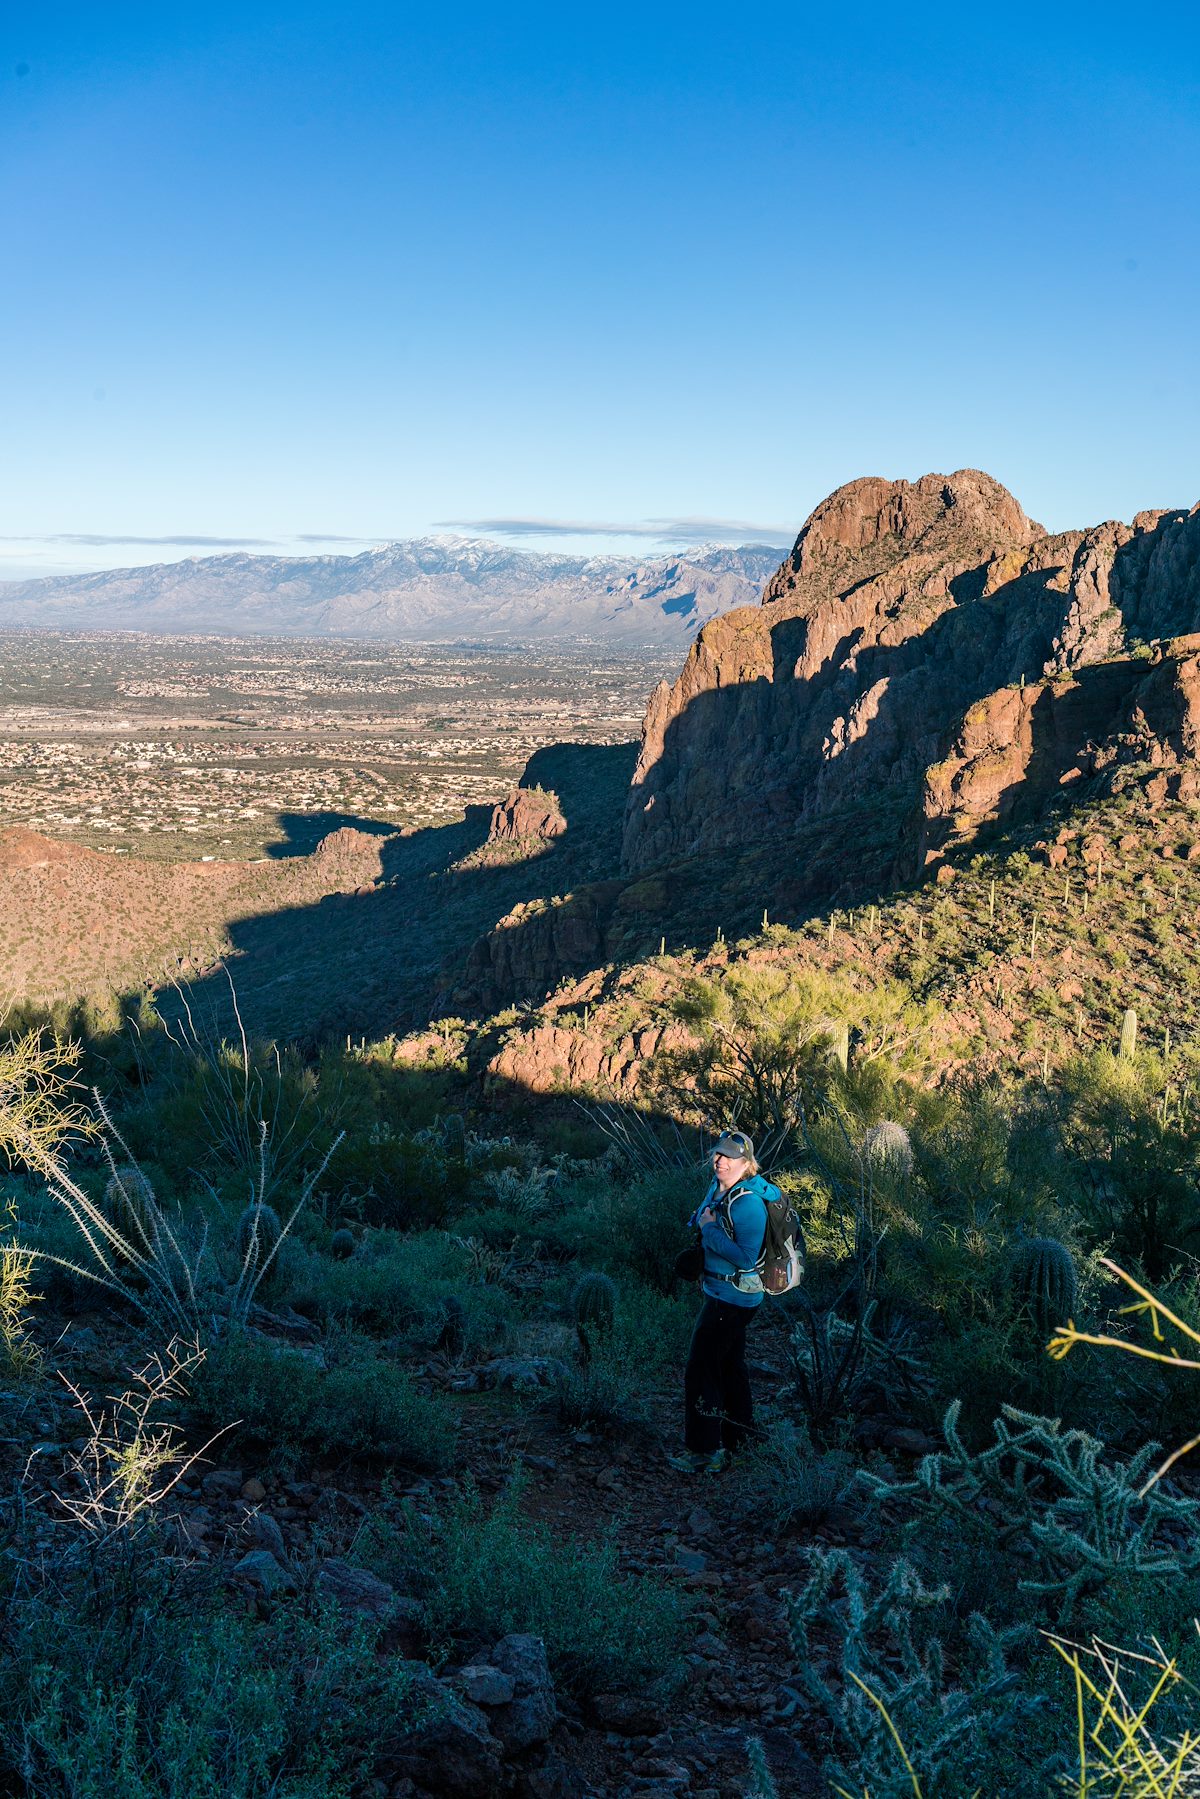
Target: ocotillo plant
{"points": [[1043, 1272]]}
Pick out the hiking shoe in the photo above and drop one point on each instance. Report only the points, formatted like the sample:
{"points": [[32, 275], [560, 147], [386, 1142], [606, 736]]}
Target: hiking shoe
{"points": [[699, 1461]]}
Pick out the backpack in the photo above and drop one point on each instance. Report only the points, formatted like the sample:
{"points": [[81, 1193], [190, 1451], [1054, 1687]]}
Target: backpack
{"points": [[780, 1265]]}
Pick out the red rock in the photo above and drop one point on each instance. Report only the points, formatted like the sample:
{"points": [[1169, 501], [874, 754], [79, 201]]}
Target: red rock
{"points": [[526, 813]]}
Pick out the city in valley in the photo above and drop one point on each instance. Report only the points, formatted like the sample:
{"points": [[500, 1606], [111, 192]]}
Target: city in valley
{"points": [[192, 747]]}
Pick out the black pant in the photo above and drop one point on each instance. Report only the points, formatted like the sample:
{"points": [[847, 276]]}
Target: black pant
{"points": [[718, 1409]]}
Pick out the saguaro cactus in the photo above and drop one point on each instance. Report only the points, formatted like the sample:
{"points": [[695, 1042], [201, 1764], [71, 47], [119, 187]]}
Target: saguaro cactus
{"points": [[1129, 1028]]}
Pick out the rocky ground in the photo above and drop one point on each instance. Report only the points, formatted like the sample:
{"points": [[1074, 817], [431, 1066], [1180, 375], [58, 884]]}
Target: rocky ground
{"points": [[265, 1533]]}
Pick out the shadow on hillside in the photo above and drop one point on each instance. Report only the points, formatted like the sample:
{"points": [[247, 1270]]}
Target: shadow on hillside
{"points": [[303, 831], [368, 963]]}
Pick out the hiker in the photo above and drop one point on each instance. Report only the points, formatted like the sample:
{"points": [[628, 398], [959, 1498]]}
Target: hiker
{"points": [[732, 1222]]}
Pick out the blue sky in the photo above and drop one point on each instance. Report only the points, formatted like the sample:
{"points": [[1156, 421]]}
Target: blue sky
{"points": [[595, 277]]}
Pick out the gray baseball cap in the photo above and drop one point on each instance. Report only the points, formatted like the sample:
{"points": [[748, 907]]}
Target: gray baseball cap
{"points": [[734, 1143]]}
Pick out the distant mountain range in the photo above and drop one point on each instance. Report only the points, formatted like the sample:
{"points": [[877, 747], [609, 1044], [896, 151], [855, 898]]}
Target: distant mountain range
{"points": [[426, 588]]}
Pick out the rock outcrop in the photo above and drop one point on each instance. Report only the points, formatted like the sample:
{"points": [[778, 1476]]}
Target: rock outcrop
{"points": [[929, 657], [525, 814]]}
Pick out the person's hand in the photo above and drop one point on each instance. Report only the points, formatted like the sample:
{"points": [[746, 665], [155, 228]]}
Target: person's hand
{"points": [[707, 1216]]}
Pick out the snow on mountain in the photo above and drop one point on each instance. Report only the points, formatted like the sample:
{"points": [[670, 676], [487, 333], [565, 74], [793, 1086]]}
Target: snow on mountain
{"points": [[433, 588]]}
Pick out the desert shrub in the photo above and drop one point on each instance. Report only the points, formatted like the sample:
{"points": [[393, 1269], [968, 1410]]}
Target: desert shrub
{"points": [[483, 1572], [127, 1673], [256, 1117], [361, 1406], [652, 1330], [405, 1182], [628, 1224], [600, 1393], [761, 1033], [39, 1110], [1136, 1150], [785, 1483]]}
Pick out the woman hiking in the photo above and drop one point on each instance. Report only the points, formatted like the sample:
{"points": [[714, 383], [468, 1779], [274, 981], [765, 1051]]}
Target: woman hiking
{"points": [[732, 1221]]}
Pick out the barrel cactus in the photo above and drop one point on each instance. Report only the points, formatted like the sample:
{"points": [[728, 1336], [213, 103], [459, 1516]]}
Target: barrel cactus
{"points": [[887, 1150], [594, 1302], [594, 1307], [454, 1137], [259, 1231], [1044, 1281], [341, 1244], [131, 1207]]}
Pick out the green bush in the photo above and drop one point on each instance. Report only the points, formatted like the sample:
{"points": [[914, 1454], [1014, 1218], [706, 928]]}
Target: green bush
{"points": [[484, 1573], [126, 1677], [361, 1406], [395, 1285]]}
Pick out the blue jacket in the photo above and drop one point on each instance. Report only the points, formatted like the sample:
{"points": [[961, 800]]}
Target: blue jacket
{"points": [[724, 1255]]}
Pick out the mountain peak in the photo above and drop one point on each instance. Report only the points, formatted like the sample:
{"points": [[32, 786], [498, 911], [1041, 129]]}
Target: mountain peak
{"points": [[872, 509]]}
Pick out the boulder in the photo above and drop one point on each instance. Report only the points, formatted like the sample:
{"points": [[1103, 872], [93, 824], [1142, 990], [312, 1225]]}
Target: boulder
{"points": [[260, 1571], [524, 1374], [533, 1711], [484, 1685], [448, 1748], [261, 1530], [355, 1590]]}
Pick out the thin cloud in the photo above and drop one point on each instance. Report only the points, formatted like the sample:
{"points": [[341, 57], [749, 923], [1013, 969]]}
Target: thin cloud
{"points": [[331, 537], [96, 541], [665, 530]]}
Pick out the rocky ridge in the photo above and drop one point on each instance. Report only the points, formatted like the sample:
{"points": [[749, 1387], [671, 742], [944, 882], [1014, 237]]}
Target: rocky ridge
{"points": [[929, 653]]}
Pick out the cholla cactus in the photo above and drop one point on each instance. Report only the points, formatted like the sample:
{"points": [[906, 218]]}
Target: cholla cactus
{"points": [[258, 1235], [454, 1137], [130, 1205], [341, 1244], [887, 1150], [1083, 1521], [1044, 1278], [884, 1685]]}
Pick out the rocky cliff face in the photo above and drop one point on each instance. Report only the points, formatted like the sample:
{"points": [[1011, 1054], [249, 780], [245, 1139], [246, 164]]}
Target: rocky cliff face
{"points": [[930, 654]]}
